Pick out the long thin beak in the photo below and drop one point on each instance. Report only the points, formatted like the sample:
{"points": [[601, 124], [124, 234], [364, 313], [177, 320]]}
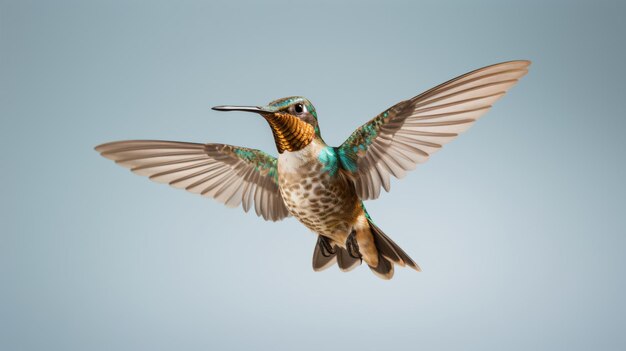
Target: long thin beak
{"points": [[239, 108]]}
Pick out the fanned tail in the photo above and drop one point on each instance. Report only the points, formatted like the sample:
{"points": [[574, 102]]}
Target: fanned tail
{"points": [[370, 244]]}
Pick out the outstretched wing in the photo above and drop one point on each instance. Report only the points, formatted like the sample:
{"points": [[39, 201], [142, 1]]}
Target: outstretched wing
{"points": [[406, 134], [230, 174]]}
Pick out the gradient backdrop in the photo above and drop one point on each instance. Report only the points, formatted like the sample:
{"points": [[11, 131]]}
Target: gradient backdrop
{"points": [[518, 224]]}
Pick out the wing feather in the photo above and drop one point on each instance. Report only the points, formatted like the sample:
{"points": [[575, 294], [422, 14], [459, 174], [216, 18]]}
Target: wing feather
{"points": [[407, 133], [230, 174]]}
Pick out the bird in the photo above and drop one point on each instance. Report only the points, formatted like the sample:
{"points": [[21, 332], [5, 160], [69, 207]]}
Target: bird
{"points": [[322, 186]]}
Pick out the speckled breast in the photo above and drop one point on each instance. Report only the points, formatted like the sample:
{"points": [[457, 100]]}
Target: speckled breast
{"points": [[323, 201]]}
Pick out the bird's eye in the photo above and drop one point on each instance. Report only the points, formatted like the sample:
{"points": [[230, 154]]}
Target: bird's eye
{"points": [[299, 108]]}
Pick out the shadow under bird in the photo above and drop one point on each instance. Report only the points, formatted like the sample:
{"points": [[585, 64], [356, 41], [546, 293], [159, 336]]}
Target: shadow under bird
{"points": [[324, 186]]}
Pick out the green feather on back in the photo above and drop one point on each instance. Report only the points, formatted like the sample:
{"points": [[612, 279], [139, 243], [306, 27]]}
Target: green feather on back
{"points": [[329, 159]]}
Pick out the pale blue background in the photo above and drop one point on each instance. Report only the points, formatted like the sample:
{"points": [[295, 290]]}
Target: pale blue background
{"points": [[518, 225]]}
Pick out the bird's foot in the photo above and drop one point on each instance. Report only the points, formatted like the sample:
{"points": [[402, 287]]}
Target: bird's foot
{"points": [[352, 246], [326, 248]]}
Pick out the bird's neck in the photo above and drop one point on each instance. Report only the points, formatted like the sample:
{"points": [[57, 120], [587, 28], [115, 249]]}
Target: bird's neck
{"points": [[290, 133]]}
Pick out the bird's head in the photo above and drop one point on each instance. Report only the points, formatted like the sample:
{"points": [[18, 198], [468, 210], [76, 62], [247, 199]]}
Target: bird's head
{"points": [[293, 121]]}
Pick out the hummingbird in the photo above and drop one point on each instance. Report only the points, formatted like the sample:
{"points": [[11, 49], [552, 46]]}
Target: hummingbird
{"points": [[323, 186]]}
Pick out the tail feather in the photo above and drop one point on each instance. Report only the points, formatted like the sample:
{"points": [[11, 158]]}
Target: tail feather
{"points": [[327, 253], [391, 250], [324, 255], [345, 261], [384, 270]]}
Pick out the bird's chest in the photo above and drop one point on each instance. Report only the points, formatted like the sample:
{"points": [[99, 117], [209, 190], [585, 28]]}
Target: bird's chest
{"points": [[316, 194], [304, 185]]}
